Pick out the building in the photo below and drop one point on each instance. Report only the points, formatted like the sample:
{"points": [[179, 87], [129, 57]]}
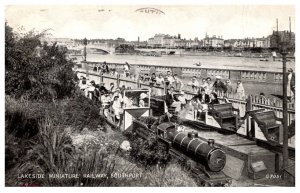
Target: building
{"points": [[214, 41], [282, 36]]}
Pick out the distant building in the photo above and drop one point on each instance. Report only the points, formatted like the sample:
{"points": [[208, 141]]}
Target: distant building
{"points": [[282, 36], [214, 41]]}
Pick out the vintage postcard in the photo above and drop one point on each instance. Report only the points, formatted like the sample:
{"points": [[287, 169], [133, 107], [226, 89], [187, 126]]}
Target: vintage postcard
{"points": [[150, 95]]}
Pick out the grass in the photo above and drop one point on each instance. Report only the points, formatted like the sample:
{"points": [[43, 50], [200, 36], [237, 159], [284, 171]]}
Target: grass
{"points": [[62, 146]]}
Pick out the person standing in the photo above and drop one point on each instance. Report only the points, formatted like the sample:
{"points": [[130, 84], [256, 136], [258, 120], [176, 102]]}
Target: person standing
{"points": [[291, 84], [178, 84], [229, 86], [159, 80], [195, 84], [219, 86], [209, 86], [240, 91], [170, 79], [153, 78], [126, 69]]}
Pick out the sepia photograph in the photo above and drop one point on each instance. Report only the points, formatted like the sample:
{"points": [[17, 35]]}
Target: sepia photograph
{"points": [[149, 95]]}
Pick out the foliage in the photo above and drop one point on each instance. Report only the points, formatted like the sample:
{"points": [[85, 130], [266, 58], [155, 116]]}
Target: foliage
{"points": [[36, 70], [147, 152]]}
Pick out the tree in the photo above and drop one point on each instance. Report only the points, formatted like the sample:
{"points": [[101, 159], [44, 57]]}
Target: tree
{"points": [[39, 71]]}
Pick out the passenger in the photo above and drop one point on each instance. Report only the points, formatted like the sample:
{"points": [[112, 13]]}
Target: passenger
{"points": [[117, 107], [102, 88], [201, 99], [153, 90], [170, 79], [105, 103], [126, 69], [209, 86], [240, 91], [118, 93], [204, 84], [229, 86], [195, 84], [112, 87], [146, 78], [172, 100], [182, 98], [122, 89], [214, 98], [82, 83], [89, 91], [142, 98], [153, 78], [159, 80], [219, 86], [178, 83], [128, 101]]}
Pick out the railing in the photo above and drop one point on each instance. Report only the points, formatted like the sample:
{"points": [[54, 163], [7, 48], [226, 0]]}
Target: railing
{"points": [[256, 102], [244, 75]]}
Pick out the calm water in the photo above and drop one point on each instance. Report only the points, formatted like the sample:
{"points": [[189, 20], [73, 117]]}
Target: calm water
{"points": [[238, 63]]}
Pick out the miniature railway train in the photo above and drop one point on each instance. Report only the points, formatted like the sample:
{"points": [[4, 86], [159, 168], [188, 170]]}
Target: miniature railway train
{"points": [[204, 159]]}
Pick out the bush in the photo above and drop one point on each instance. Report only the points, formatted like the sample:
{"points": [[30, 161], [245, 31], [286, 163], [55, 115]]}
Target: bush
{"points": [[40, 72]]}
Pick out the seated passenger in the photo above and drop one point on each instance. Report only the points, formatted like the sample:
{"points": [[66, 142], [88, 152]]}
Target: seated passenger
{"points": [[201, 97], [141, 101], [153, 90], [172, 100], [214, 98], [117, 107], [105, 103]]}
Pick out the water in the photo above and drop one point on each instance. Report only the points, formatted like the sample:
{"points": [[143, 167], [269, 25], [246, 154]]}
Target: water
{"points": [[218, 62]]}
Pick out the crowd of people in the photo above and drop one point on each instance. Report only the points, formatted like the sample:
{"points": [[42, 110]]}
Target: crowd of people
{"points": [[112, 97], [172, 79]]}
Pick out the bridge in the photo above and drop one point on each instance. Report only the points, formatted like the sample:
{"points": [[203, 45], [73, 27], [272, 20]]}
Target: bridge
{"points": [[95, 48]]}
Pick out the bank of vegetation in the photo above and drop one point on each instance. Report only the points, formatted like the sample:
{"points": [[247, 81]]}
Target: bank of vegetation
{"points": [[51, 128]]}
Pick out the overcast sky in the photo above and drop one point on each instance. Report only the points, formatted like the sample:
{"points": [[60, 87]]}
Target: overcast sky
{"points": [[124, 21]]}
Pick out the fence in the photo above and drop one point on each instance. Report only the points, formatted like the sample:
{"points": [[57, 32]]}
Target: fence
{"points": [[256, 102], [243, 75]]}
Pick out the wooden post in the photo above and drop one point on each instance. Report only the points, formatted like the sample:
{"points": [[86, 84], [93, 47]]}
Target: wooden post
{"points": [[118, 80], [285, 151]]}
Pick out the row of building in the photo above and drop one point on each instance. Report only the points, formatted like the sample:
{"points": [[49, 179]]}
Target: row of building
{"points": [[168, 41], [271, 41]]}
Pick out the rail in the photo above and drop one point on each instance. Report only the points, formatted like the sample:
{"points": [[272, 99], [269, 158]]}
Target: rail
{"points": [[233, 74]]}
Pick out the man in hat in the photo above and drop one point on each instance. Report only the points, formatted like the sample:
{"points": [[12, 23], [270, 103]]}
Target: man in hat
{"points": [[219, 86]]}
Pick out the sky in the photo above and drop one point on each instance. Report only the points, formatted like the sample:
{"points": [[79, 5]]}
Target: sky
{"points": [[96, 21]]}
